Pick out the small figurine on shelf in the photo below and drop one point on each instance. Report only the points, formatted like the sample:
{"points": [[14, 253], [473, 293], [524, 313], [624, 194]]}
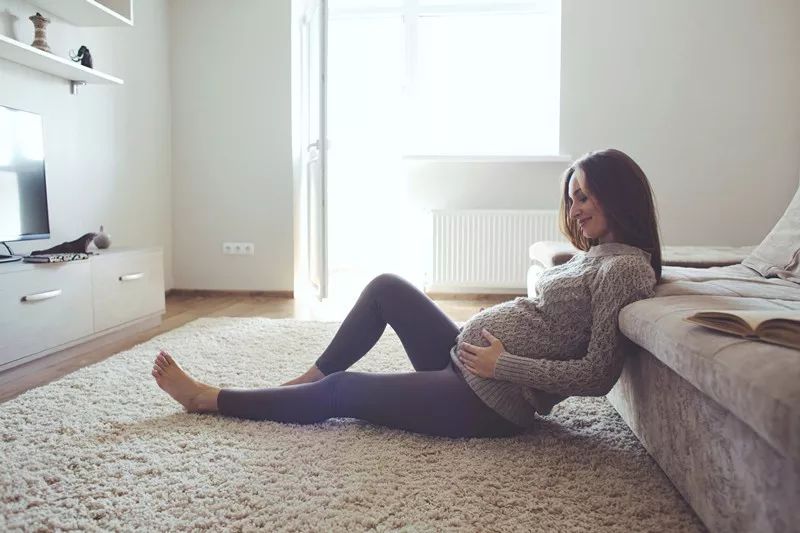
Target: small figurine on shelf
{"points": [[40, 35], [83, 55], [102, 240]]}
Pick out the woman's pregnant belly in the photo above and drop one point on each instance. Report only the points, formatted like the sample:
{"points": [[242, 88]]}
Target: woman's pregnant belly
{"points": [[517, 323]]}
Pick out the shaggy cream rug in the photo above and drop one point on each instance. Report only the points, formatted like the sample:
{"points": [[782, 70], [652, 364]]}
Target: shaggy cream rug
{"points": [[105, 449]]}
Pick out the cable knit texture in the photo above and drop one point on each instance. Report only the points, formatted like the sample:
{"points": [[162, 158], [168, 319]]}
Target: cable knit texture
{"points": [[564, 340]]}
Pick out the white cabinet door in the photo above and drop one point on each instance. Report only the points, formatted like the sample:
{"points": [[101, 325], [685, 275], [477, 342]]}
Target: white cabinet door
{"points": [[44, 307], [126, 287]]}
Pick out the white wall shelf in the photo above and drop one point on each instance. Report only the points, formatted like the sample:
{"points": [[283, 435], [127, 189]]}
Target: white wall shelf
{"points": [[90, 12], [51, 64]]}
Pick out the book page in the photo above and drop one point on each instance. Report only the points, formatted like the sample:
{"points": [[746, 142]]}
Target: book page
{"points": [[722, 322], [781, 331], [753, 319]]}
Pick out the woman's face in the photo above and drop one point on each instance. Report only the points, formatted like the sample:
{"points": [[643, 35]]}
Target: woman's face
{"points": [[586, 210]]}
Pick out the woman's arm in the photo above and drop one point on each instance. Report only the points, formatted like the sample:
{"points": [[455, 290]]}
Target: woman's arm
{"points": [[619, 281]]}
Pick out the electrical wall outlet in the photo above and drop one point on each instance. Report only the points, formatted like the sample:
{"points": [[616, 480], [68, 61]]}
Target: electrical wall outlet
{"points": [[238, 248]]}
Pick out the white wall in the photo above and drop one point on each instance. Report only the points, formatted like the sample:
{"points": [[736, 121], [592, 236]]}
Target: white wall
{"points": [[232, 160], [107, 149], [703, 94]]}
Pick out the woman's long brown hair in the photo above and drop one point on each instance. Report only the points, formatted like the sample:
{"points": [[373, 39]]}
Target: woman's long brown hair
{"points": [[622, 191]]}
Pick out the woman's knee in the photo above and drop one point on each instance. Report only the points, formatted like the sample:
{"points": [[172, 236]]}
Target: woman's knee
{"points": [[348, 392], [386, 282], [340, 381], [387, 279], [332, 378], [325, 392]]}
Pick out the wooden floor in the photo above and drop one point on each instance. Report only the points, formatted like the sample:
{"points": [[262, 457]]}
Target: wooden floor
{"points": [[183, 308]]}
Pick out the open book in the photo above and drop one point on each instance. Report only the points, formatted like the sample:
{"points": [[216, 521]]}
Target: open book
{"points": [[778, 327]]}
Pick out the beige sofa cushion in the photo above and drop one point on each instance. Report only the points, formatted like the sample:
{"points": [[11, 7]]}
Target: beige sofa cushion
{"points": [[779, 254], [757, 382], [732, 280], [703, 256], [552, 253]]}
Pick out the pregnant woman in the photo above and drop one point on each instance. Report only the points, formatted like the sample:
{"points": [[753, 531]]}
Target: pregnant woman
{"points": [[508, 362]]}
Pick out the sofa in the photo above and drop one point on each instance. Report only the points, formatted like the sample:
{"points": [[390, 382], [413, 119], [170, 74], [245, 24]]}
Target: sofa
{"points": [[720, 414]]}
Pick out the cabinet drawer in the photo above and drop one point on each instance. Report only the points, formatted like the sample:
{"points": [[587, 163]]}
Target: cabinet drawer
{"points": [[126, 287], [58, 308]]}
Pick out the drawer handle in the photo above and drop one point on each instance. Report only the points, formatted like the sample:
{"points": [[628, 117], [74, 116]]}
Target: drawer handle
{"points": [[131, 277], [41, 296]]}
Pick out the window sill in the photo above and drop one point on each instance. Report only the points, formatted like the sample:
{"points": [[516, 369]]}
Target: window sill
{"points": [[490, 158]]}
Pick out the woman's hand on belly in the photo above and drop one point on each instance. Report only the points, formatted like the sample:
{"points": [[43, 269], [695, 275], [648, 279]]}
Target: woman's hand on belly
{"points": [[480, 360]]}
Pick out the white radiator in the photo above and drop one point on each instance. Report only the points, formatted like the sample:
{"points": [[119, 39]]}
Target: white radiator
{"points": [[486, 250]]}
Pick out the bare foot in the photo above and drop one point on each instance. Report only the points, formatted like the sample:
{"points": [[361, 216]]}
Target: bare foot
{"points": [[312, 374], [196, 397]]}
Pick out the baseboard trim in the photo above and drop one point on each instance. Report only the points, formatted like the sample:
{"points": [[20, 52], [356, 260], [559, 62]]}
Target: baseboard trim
{"points": [[440, 295], [211, 292]]}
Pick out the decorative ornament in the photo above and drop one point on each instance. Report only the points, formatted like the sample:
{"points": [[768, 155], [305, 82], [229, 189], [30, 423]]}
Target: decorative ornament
{"points": [[103, 239], [83, 55], [40, 35]]}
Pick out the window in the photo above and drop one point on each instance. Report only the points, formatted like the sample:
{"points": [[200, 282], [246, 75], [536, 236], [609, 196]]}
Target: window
{"points": [[480, 77]]}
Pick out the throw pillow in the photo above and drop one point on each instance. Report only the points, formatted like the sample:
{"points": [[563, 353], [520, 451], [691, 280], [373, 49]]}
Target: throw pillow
{"points": [[778, 255]]}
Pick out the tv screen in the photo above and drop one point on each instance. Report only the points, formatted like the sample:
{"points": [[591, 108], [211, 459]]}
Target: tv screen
{"points": [[23, 192]]}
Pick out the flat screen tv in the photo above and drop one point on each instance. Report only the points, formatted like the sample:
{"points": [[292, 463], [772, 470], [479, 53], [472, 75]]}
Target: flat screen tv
{"points": [[23, 191]]}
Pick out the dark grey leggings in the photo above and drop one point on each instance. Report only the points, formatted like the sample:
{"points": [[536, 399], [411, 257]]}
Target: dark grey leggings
{"points": [[434, 399]]}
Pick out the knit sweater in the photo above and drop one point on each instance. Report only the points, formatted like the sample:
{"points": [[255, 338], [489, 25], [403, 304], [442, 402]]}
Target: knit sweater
{"points": [[564, 340]]}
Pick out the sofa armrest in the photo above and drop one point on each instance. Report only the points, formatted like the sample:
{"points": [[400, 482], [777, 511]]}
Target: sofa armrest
{"points": [[704, 256], [544, 255], [551, 253]]}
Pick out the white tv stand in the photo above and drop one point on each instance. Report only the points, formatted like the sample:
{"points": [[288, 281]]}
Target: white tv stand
{"points": [[47, 308]]}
